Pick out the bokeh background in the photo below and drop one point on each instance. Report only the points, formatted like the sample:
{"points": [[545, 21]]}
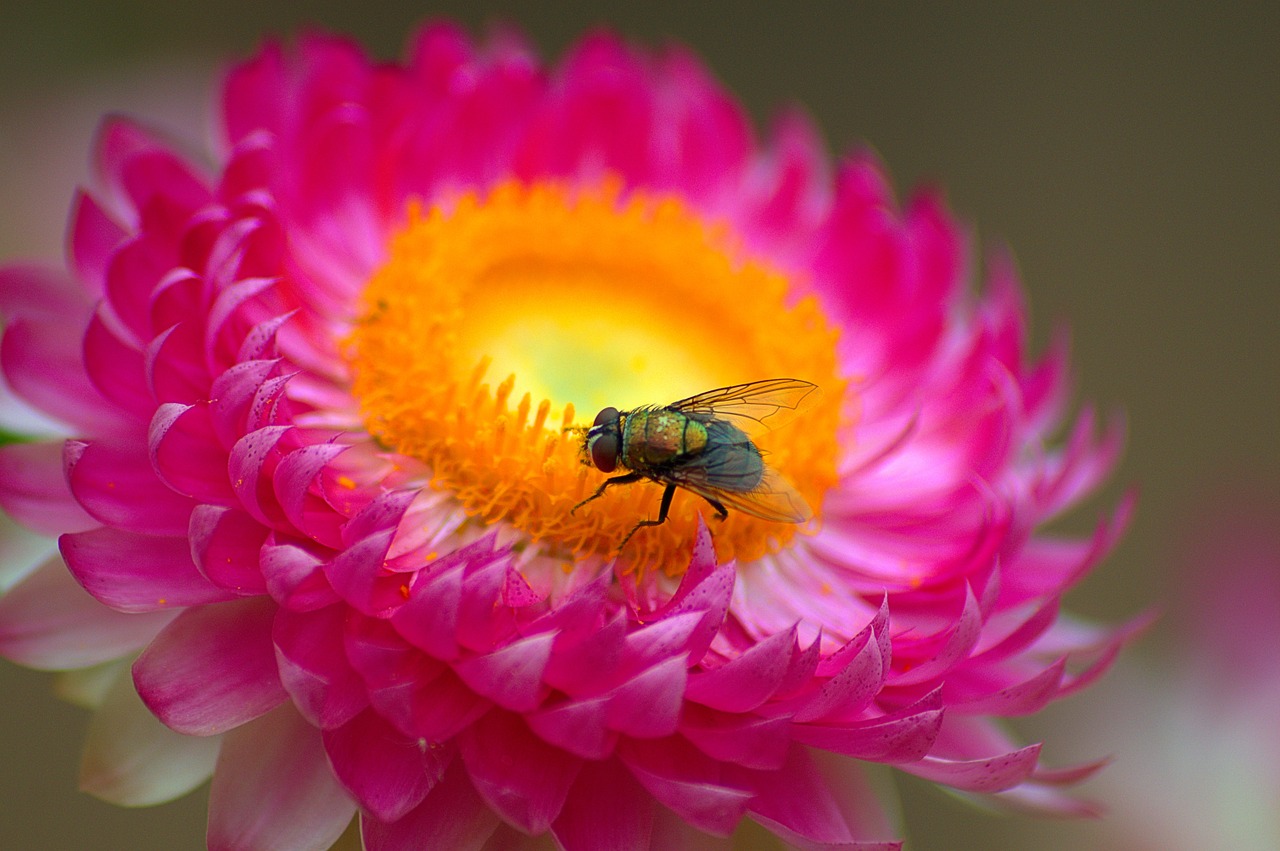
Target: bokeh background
{"points": [[1130, 159]]}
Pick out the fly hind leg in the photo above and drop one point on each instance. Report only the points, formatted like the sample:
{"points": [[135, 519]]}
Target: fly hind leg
{"points": [[721, 511], [662, 515]]}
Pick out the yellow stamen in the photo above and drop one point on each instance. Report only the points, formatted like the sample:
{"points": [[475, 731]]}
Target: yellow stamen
{"points": [[573, 300]]}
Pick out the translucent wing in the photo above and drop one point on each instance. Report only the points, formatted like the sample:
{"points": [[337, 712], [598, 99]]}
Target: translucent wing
{"points": [[751, 406], [773, 498], [732, 472]]}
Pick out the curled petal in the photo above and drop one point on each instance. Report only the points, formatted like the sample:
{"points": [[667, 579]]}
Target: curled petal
{"points": [[212, 669], [273, 788], [138, 573], [47, 621], [133, 760], [451, 816]]}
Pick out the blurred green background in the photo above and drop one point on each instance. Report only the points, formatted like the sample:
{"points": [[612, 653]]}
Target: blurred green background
{"points": [[1129, 158]]}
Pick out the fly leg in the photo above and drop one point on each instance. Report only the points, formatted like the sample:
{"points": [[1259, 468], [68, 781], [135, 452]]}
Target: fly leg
{"points": [[662, 515], [721, 511], [625, 479]]}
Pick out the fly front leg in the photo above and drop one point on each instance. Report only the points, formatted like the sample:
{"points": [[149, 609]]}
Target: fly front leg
{"points": [[626, 479], [662, 515]]}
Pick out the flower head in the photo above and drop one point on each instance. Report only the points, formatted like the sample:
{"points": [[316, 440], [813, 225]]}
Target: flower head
{"points": [[320, 463]]}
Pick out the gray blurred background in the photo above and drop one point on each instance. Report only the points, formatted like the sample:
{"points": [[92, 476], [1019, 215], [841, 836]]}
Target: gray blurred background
{"points": [[1128, 157]]}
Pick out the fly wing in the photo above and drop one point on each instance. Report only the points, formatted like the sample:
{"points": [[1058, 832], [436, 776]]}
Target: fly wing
{"points": [[732, 472], [774, 498], [752, 407]]}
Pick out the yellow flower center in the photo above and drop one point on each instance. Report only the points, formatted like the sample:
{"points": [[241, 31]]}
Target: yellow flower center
{"points": [[501, 322]]}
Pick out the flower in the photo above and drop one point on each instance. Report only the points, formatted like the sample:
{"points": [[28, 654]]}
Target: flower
{"points": [[318, 467]]}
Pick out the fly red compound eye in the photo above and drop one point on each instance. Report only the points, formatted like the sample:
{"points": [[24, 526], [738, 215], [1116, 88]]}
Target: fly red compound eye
{"points": [[604, 450]]}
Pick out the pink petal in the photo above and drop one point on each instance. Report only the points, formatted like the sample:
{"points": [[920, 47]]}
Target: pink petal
{"points": [[510, 677], [853, 686], [132, 760], [314, 669], [39, 292], [226, 544], [688, 782], [577, 727], [186, 455], [745, 740], [294, 577], [742, 684], [903, 736], [648, 705], [213, 668], [810, 806], [521, 777], [44, 367], [250, 457], [606, 808], [114, 482], [273, 789], [387, 773], [429, 619], [452, 816], [293, 481], [34, 491], [138, 573], [93, 237], [47, 621], [233, 393], [116, 369], [993, 774]]}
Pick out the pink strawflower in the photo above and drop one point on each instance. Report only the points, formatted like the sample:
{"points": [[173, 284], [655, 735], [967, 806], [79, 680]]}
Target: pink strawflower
{"points": [[318, 466]]}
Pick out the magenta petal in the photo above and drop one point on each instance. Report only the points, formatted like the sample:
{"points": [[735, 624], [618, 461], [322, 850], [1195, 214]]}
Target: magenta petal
{"points": [[810, 809], [964, 635], [245, 465], [293, 480], [742, 684], [185, 453], [524, 779], [850, 690], [452, 816], [47, 621], [745, 740], [232, 395], [114, 482], [294, 578], [272, 788], [40, 292], [577, 726], [606, 808], [387, 773], [138, 573], [993, 774], [314, 668], [905, 736], [34, 490], [115, 367], [94, 236], [213, 668], [44, 366], [511, 677], [226, 544], [688, 782], [648, 704], [429, 620]]}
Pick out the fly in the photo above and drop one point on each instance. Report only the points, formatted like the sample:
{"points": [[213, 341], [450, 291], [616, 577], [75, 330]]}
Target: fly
{"points": [[701, 444]]}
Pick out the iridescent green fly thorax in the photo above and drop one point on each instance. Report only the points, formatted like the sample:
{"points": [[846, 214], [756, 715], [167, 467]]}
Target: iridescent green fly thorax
{"points": [[655, 436], [697, 444]]}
